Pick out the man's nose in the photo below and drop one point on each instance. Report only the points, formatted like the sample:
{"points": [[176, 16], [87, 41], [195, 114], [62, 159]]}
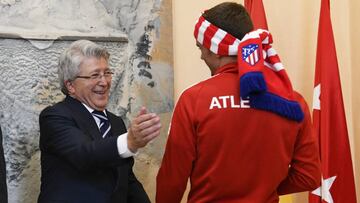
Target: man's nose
{"points": [[103, 80]]}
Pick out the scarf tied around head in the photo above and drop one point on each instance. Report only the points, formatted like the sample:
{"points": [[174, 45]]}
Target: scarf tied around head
{"points": [[263, 79]]}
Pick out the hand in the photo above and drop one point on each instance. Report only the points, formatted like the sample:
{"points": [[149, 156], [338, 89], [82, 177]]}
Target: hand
{"points": [[144, 128]]}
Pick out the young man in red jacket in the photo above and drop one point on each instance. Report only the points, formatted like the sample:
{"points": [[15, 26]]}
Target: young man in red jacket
{"points": [[242, 135]]}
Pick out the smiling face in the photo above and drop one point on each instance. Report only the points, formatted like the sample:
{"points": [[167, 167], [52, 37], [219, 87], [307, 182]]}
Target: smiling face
{"points": [[92, 92]]}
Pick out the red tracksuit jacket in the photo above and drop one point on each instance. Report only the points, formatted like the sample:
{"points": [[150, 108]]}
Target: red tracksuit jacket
{"points": [[231, 152]]}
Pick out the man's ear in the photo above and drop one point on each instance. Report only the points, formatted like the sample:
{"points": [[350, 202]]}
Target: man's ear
{"points": [[69, 86]]}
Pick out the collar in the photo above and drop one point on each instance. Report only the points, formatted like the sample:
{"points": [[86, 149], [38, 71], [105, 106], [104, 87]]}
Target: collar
{"points": [[91, 109], [228, 68]]}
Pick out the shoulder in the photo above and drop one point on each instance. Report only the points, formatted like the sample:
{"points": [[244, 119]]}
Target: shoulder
{"points": [[299, 98], [58, 108], [196, 88], [305, 108], [216, 84], [68, 106]]}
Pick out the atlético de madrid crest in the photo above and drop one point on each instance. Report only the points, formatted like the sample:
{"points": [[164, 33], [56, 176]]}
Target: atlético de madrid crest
{"points": [[250, 54]]}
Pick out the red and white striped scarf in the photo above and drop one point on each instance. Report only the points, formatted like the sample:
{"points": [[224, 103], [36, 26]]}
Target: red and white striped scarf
{"points": [[262, 75]]}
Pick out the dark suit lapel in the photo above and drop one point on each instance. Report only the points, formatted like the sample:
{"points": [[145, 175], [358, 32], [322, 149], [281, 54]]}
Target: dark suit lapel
{"points": [[117, 125], [83, 117]]}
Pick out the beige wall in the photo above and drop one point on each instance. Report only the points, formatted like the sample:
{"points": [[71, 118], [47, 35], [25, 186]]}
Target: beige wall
{"points": [[355, 84], [294, 27]]}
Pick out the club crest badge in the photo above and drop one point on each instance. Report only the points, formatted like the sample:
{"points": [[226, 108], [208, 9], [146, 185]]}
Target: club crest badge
{"points": [[250, 54]]}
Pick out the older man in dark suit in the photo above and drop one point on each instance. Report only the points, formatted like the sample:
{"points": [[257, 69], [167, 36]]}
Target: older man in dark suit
{"points": [[3, 188], [86, 151]]}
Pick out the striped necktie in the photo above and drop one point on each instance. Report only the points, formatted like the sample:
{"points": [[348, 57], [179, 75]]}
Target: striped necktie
{"points": [[104, 123]]}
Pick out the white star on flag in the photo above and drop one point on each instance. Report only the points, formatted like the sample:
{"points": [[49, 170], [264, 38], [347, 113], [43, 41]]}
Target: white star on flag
{"points": [[324, 190], [316, 97]]}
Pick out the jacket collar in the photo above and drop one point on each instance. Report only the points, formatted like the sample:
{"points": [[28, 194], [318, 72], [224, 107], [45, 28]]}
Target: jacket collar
{"points": [[83, 117]]}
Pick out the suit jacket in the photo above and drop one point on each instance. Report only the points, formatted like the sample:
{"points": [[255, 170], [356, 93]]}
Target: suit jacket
{"points": [[77, 164], [3, 188]]}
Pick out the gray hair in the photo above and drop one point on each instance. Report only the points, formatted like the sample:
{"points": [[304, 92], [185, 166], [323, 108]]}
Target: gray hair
{"points": [[72, 57]]}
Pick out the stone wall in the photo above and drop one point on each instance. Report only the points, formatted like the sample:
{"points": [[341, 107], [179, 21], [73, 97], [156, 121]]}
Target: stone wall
{"points": [[33, 33]]}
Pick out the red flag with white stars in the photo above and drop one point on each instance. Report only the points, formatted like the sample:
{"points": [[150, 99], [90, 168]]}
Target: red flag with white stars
{"points": [[337, 183], [257, 13]]}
